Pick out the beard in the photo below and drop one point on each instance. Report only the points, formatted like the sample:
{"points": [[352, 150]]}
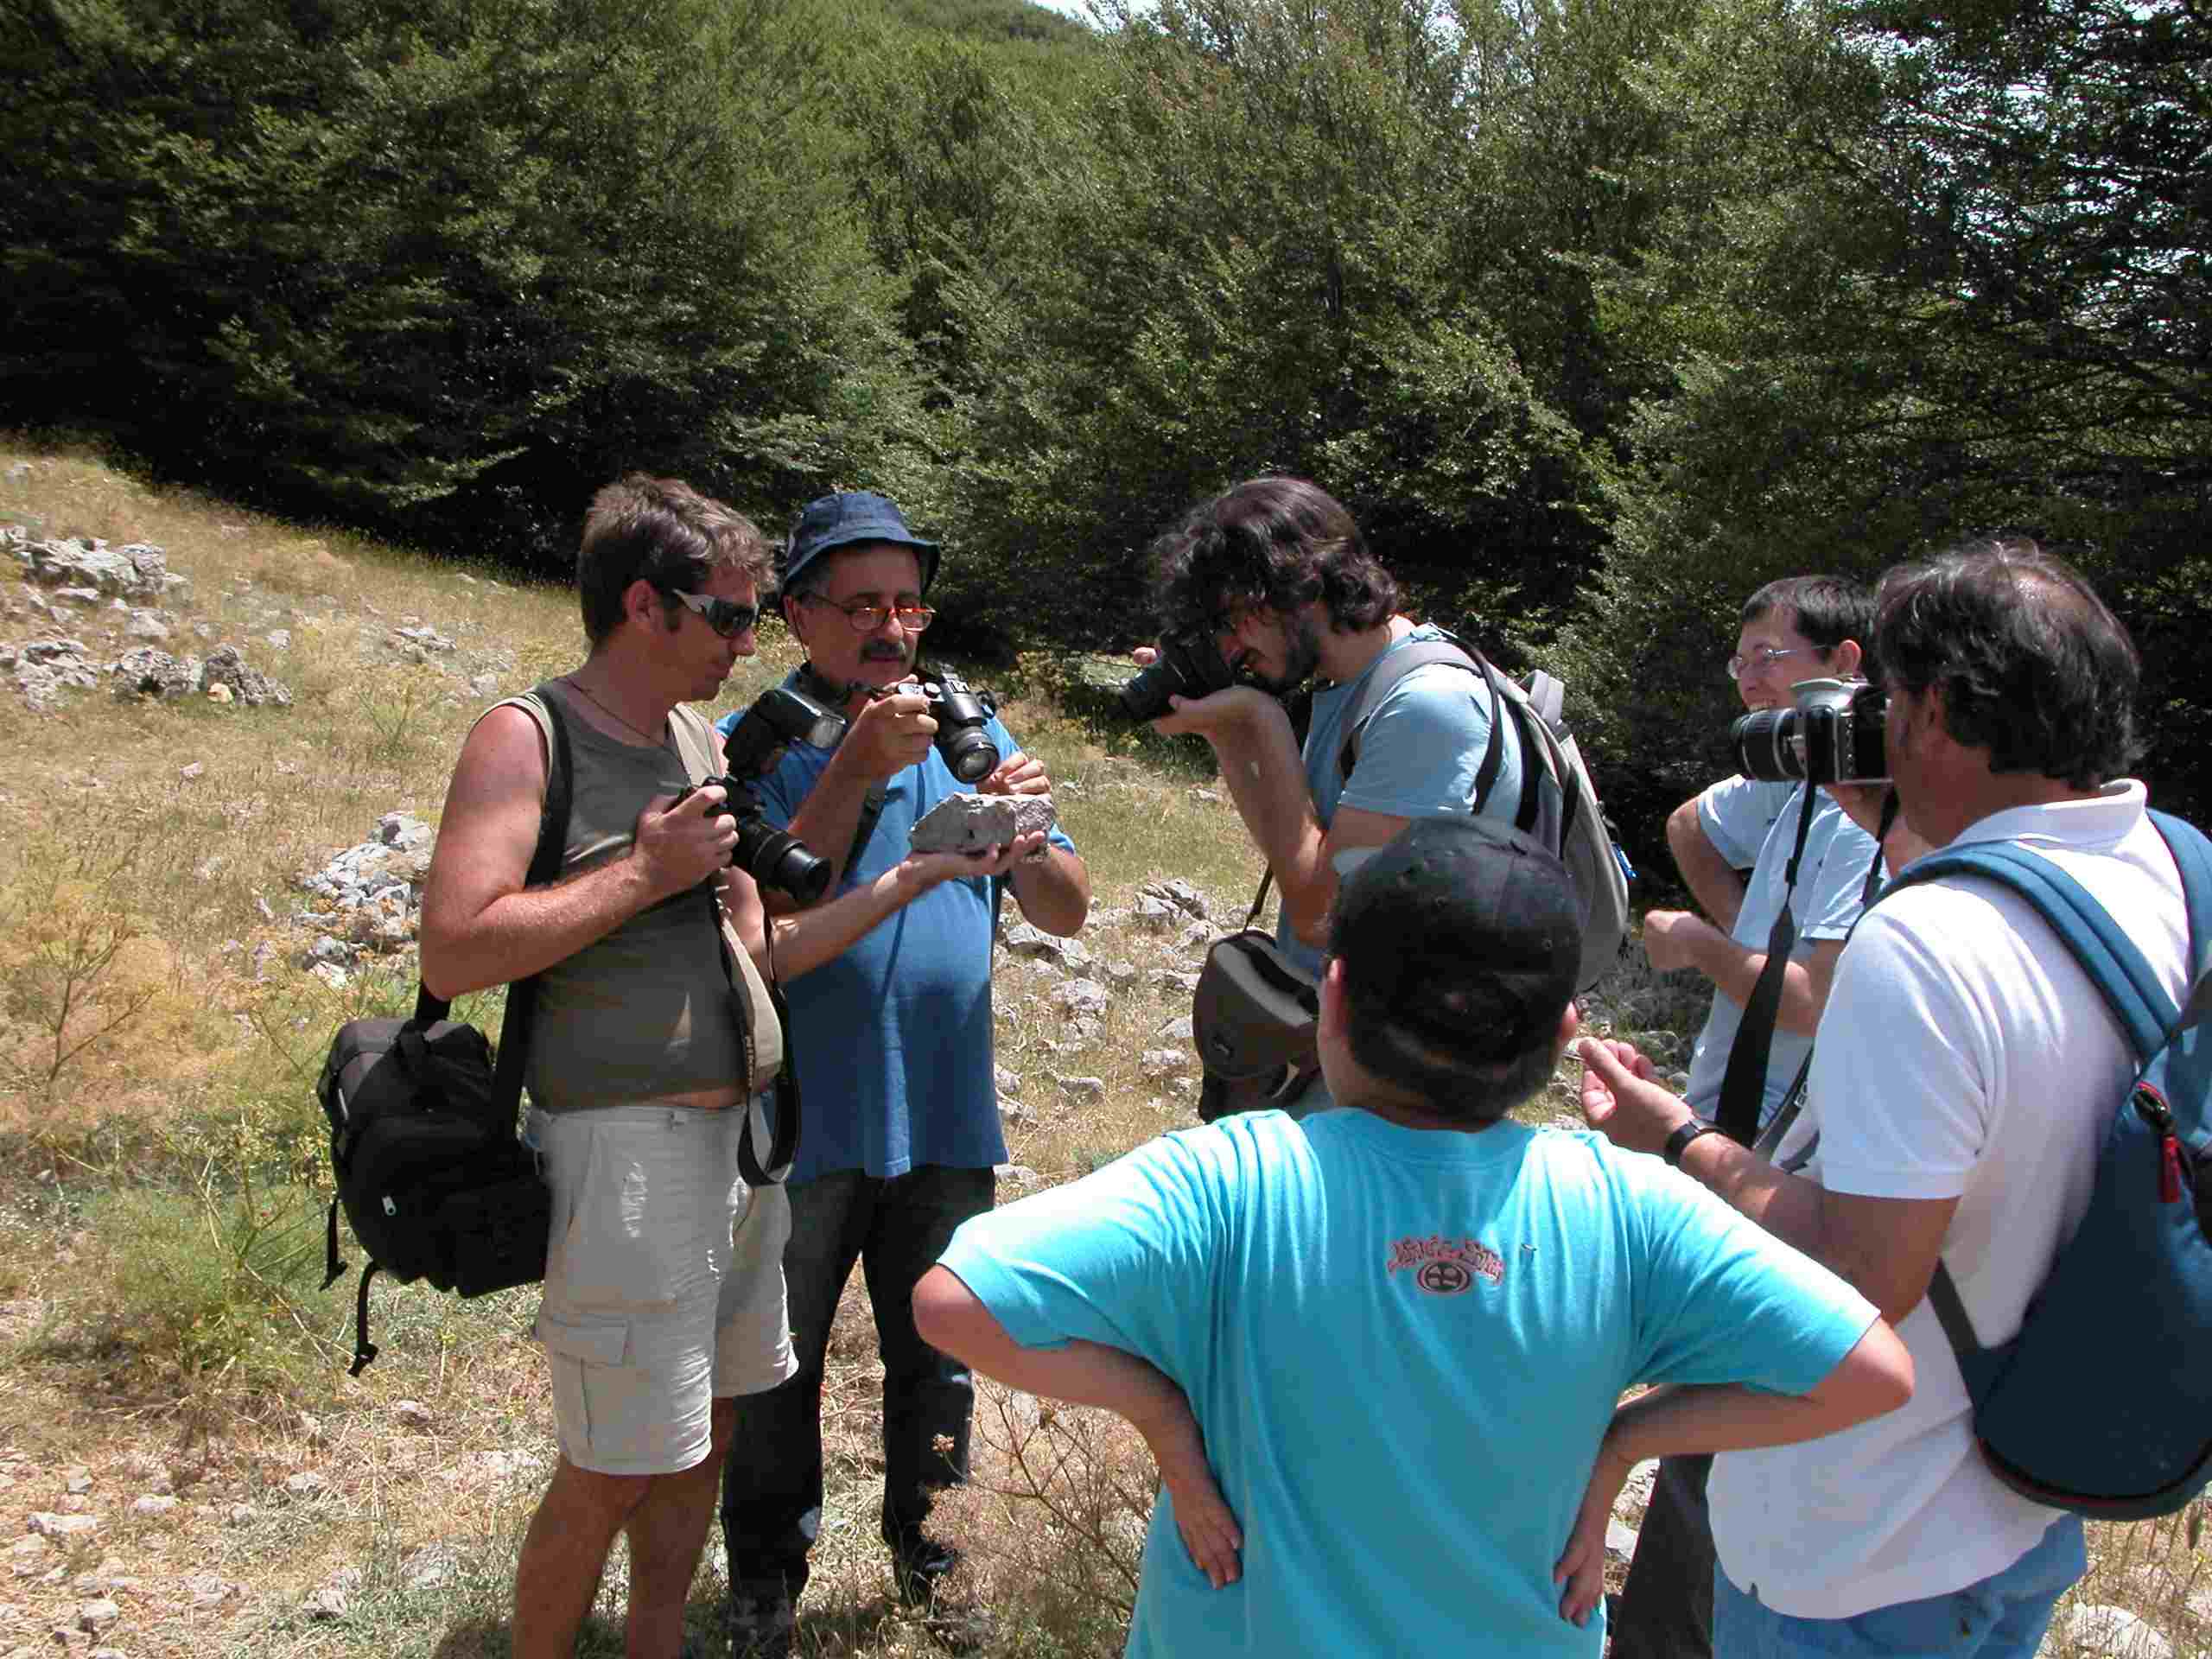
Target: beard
{"points": [[1302, 651]]}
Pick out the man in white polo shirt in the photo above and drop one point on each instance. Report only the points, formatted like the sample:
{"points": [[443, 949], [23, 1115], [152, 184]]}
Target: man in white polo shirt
{"points": [[1962, 1074]]}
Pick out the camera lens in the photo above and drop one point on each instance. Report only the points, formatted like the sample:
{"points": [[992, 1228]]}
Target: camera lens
{"points": [[1767, 746], [779, 861], [969, 753], [1146, 694]]}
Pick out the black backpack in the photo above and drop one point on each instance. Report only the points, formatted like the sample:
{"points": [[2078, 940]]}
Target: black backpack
{"points": [[434, 1180]]}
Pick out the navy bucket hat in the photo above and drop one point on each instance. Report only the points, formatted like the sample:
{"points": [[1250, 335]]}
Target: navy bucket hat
{"points": [[830, 522]]}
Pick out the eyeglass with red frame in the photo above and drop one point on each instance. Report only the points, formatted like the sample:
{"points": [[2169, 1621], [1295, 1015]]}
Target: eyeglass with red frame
{"points": [[866, 618]]}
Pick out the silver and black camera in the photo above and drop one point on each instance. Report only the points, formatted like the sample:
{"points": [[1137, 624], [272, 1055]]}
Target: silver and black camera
{"points": [[1834, 736]]}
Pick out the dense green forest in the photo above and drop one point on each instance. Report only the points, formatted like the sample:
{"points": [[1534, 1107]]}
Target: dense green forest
{"points": [[1597, 312]]}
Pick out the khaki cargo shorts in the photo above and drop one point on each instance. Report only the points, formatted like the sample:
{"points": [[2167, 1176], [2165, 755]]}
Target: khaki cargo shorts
{"points": [[663, 1283]]}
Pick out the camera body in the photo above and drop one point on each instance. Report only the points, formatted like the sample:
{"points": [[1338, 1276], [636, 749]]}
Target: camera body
{"points": [[1188, 665], [771, 857], [1833, 736], [960, 714]]}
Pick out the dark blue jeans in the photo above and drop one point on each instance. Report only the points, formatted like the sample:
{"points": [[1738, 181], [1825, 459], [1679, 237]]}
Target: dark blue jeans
{"points": [[896, 1228]]}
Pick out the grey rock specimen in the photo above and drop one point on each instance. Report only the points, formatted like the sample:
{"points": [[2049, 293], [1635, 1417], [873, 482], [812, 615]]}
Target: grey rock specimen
{"points": [[966, 822]]}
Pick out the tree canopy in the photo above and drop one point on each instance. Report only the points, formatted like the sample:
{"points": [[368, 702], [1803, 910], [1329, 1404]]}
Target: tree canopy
{"points": [[1597, 312]]}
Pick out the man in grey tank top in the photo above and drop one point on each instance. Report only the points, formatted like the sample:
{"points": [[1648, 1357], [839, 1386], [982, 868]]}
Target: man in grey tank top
{"points": [[663, 1289]]}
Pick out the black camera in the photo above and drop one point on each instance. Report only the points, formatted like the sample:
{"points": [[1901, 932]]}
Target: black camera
{"points": [[766, 854], [1834, 736], [961, 715], [1188, 665]]}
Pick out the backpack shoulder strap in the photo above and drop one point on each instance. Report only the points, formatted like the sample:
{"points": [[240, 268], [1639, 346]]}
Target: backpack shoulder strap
{"points": [[552, 823], [2124, 980], [2192, 856], [560, 773], [1395, 665], [544, 708]]}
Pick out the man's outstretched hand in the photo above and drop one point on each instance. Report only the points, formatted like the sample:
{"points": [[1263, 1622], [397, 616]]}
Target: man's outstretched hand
{"points": [[1622, 1098]]}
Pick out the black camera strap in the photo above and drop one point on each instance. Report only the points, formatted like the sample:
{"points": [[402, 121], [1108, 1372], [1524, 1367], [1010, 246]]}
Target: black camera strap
{"points": [[1743, 1086], [1736, 1082]]}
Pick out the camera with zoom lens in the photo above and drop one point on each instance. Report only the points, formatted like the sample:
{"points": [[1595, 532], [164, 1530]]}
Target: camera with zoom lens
{"points": [[961, 715], [772, 858], [1834, 736], [1188, 665]]}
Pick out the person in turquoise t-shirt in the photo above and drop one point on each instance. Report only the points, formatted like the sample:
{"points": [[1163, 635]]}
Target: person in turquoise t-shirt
{"points": [[1486, 1290]]}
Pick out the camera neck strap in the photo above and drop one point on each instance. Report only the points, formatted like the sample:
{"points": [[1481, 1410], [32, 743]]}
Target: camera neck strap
{"points": [[1743, 1086]]}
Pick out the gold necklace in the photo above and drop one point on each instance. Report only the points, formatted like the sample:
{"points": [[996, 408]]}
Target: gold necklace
{"points": [[571, 681]]}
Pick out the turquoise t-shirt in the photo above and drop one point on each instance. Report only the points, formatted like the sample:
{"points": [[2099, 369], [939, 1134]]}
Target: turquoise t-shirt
{"points": [[1419, 756], [892, 1037], [1403, 1347], [1755, 824]]}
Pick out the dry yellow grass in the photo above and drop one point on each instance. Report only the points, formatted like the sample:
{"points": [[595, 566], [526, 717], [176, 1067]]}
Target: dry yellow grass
{"points": [[423, 1471]]}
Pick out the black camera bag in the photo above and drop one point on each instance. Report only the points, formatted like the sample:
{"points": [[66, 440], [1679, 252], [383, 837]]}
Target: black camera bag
{"points": [[433, 1178], [1255, 1021]]}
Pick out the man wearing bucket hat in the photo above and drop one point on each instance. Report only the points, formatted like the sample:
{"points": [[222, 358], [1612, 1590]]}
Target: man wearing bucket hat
{"points": [[892, 1045], [1493, 1289]]}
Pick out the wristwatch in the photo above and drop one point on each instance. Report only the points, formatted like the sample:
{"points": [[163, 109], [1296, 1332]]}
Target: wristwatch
{"points": [[1679, 1141]]}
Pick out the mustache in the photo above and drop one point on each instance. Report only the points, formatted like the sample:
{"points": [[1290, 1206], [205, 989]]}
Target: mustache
{"points": [[875, 652]]}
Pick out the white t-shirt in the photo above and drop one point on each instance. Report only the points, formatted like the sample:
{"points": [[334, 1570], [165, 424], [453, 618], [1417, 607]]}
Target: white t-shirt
{"points": [[1963, 1054]]}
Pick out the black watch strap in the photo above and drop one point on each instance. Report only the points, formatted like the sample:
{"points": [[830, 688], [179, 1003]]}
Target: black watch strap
{"points": [[1679, 1141]]}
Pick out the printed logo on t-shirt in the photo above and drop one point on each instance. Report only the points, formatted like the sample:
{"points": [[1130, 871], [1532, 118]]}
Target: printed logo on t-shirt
{"points": [[1445, 1266]]}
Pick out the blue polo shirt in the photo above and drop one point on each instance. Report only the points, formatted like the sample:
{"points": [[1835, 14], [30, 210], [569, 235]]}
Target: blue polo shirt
{"points": [[892, 1039]]}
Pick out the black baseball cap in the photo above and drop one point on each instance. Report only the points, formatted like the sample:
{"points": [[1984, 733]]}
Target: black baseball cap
{"points": [[1461, 942], [849, 516]]}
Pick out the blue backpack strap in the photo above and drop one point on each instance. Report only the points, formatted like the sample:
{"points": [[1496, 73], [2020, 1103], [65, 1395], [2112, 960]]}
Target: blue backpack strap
{"points": [[2193, 858], [2129, 987]]}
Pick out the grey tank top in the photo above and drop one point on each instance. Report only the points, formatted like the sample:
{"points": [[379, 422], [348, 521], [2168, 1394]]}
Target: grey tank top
{"points": [[649, 1011]]}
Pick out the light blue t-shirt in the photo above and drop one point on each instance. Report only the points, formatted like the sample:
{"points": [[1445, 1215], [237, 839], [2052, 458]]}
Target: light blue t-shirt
{"points": [[1755, 824], [1418, 755], [892, 1038], [1403, 1348]]}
